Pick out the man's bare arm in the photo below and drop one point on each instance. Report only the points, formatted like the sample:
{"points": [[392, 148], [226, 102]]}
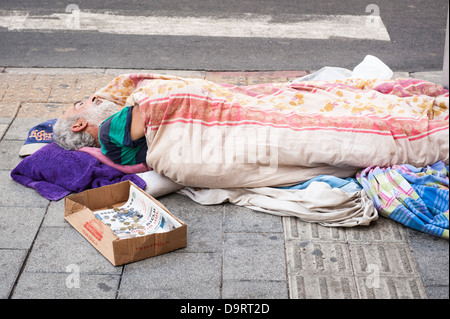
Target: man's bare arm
{"points": [[137, 124]]}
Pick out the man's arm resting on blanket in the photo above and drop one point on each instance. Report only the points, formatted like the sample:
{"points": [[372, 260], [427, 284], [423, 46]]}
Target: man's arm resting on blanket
{"points": [[137, 124]]}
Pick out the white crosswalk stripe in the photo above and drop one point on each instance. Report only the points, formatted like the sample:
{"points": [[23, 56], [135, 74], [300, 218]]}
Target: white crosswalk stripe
{"points": [[255, 26]]}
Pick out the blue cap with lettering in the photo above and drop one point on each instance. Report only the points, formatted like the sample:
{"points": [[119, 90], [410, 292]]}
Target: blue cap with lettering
{"points": [[38, 136]]}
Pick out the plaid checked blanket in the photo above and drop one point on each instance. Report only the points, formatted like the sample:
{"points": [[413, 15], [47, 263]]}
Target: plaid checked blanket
{"points": [[416, 197]]}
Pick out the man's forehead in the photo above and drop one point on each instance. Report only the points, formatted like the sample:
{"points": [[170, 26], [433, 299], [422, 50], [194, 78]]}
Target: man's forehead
{"points": [[73, 110]]}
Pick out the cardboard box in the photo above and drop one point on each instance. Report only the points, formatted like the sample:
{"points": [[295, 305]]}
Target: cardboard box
{"points": [[80, 213]]}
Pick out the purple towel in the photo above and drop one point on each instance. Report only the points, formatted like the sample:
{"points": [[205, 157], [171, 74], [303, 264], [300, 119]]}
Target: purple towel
{"points": [[55, 172]]}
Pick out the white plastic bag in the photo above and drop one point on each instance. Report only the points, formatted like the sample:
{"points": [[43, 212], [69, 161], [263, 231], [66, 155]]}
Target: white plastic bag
{"points": [[327, 73], [372, 68]]}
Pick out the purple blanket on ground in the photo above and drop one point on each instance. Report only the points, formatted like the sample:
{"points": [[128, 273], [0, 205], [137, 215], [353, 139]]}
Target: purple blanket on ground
{"points": [[55, 172]]}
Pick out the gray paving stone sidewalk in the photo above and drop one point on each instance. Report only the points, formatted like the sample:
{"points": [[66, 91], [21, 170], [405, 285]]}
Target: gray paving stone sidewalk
{"points": [[232, 252]]}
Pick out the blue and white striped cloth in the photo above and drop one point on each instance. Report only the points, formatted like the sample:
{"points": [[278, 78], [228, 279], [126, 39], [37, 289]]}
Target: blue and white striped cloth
{"points": [[415, 197]]}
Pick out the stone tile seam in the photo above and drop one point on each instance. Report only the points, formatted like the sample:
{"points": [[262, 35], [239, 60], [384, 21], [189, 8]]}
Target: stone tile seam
{"points": [[10, 123], [25, 206], [254, 232], [13, 139], [116, 295], [417, 267], [68, 273], [286, 220], [14, 249], [255, 280], [25, 260], [222, 256]]}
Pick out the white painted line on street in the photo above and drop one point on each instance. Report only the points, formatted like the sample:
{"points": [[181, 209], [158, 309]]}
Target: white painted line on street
{"points": [[310, 27]]}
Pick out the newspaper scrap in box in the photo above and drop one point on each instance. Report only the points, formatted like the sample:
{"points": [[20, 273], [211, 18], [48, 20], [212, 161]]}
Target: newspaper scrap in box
{"points": [[140, 216], [124, 223]]}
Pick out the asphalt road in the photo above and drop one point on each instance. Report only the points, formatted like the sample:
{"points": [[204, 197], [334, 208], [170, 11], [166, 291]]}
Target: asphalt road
{"points": [[416, 30]]}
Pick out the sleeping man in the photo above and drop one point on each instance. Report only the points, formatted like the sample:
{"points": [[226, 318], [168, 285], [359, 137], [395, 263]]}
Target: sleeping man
{"points": [[203, 134], [99, 123]]}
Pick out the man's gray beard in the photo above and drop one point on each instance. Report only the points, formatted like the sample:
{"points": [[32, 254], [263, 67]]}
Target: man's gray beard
{"points": [[97, 114]]}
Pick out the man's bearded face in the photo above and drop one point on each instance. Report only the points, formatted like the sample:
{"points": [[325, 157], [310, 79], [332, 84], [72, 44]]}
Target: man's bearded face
{"points": [[97, 114], [94, 110]]}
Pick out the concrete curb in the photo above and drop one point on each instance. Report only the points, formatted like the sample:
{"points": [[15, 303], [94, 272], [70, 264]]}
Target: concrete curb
{"points": [[432, 76]]}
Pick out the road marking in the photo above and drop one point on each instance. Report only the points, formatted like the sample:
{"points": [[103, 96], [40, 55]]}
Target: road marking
{"points": [[255, 26]]}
